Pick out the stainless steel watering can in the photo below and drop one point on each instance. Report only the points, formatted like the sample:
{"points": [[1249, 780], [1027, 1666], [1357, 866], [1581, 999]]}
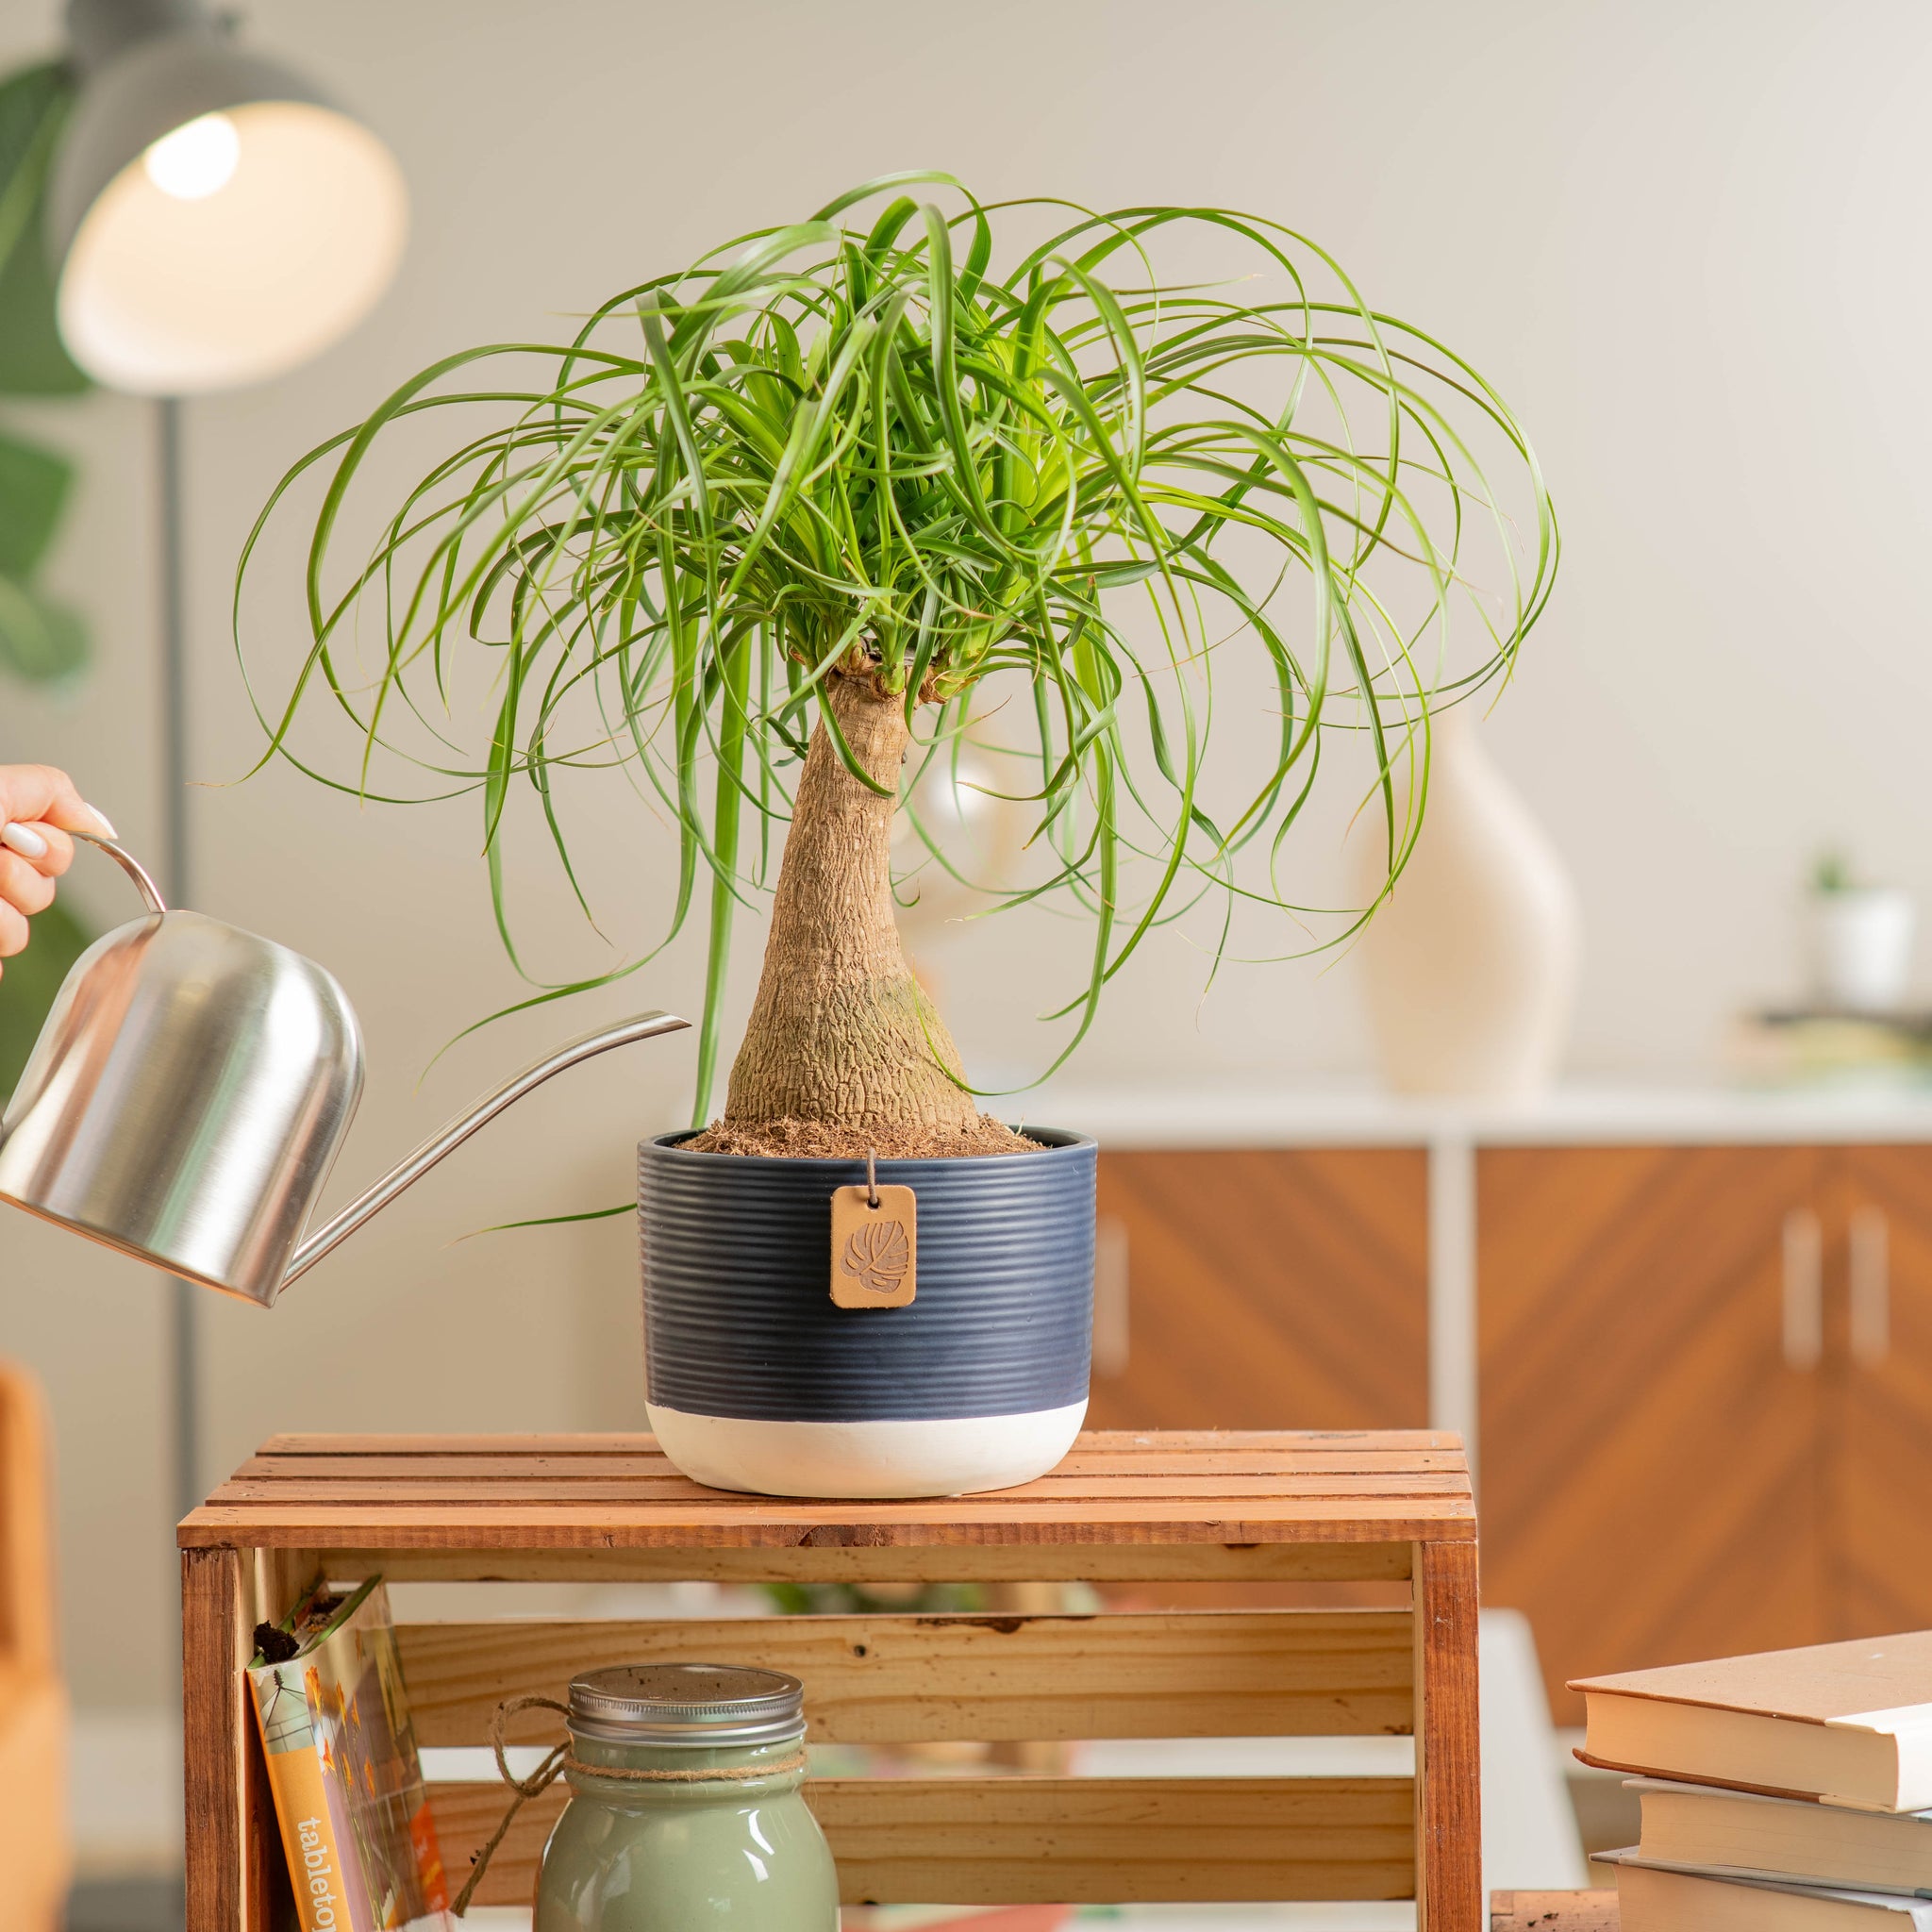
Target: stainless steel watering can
{"points": [[186, 1098]]}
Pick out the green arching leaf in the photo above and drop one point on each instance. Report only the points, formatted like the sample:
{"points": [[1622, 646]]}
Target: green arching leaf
{"points": [[551, 1221], [726, 812]]}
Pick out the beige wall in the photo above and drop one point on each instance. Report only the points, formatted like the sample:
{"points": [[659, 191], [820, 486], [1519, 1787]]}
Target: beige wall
{"points": [[1685, 238]]}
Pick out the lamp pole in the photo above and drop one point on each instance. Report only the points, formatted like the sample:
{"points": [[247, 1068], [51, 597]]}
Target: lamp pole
{"points": [[184, 1353]]}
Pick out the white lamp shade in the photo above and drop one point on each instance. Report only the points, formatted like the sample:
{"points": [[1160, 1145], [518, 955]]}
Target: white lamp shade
{"points": [[164, 294]]}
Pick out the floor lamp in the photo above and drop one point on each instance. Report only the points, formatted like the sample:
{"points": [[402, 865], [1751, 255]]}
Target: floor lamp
{"points": [[215, 221]]}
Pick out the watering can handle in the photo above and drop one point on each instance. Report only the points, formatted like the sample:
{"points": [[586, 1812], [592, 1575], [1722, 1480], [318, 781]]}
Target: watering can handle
{"points": [[143, 883], [323, 1241]]}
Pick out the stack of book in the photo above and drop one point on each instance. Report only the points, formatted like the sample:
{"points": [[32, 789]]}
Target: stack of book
{"points": [[1788, 1792], [1819, 1045]]}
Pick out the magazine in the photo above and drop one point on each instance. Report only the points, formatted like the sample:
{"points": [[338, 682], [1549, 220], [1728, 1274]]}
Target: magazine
{"points": [[343, 1767]]}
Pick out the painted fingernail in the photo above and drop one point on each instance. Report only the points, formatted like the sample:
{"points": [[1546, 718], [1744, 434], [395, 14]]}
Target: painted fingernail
{"points": [[24, 840], [107, 824]]}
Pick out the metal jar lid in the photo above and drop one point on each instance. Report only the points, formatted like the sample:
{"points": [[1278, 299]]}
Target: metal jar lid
{"points": [[703, 1707]]}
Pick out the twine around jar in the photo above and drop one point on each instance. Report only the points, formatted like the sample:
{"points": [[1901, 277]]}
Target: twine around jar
{"points": [[563, 1760]]}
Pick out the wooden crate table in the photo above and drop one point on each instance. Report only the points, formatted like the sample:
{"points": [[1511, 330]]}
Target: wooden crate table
{"points": [[1122, 1508]]}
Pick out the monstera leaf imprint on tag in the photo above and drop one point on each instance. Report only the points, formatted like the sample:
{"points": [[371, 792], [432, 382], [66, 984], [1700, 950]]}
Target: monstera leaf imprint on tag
{"points": [[877, 1256]]}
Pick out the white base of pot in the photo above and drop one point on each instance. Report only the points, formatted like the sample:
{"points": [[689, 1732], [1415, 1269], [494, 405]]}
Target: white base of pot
{"points": [[872, 1460]]}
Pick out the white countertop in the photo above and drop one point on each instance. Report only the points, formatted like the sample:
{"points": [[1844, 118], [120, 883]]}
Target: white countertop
{"points": [[1334, 1115]]}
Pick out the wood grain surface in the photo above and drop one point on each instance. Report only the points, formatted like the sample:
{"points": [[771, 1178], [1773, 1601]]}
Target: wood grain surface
{"points": [[611, 1493], [906, 1679], [1448, 1782], [1174, 1566], [1017, 1840], [1264, 1284], [222, 1776], [1554, 1911]]}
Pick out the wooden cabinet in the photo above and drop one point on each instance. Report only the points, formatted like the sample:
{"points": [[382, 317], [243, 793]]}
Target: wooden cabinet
{"points": [[1262, 1290], [1706, 1381], [1703, 1384]]}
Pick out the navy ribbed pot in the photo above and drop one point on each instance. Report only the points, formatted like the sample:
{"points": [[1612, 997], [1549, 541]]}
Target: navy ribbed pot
{"points": [[759, 1381]]}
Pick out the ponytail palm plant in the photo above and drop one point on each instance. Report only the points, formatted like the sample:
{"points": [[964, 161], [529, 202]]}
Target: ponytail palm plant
{"points": [[761, 530]]}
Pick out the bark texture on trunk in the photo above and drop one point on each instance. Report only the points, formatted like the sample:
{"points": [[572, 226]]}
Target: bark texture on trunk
{"points": [[841, 1031]]}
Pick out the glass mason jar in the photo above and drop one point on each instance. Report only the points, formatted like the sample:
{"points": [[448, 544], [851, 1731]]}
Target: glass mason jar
{"points": [[698, 1819]]}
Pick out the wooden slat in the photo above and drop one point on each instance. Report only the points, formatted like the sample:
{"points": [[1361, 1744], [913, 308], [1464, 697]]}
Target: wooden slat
{"points": [[573, 1526], [1017, 1840], [1244, 1563], [611, 1493], [232, 1850], [1448, 1789], [903, 1679], [1111, 1473], [1157, 1442], [1554, 1911], [508, 1493], [759, 1520]]}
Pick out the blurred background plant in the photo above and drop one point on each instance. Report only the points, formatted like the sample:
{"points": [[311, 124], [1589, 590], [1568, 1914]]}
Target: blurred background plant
{"points": [[43, 641], [41, 638]]}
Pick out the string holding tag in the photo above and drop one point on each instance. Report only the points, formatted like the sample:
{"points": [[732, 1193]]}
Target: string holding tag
{"points": [[872, 1179]]}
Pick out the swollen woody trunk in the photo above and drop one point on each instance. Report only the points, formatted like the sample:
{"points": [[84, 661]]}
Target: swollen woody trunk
{"points": [[841, 1033]]}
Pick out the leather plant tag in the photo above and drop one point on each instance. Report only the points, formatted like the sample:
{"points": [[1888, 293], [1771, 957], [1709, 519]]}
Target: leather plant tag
{"points": [[875, 1249]]}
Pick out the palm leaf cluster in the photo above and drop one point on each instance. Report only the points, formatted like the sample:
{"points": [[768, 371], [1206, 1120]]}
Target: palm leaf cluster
{"points": [[871, 445]]}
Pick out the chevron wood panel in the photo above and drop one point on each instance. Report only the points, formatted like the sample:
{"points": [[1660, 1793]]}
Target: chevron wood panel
{"points": [[1652, 1480], [1270, 1289], [1879, 1436]]}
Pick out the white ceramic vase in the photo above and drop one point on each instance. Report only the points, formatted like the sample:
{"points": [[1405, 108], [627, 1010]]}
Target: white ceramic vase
{"points": [[1470, 968]]}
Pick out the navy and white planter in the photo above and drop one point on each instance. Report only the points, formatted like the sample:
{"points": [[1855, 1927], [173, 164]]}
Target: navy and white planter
{"points": [[758, 1381]]}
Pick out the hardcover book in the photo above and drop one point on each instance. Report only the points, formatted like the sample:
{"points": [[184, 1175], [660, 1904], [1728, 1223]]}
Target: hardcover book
{"points": [[1785, 1838], [1849, 1723], [1661, 1898]]}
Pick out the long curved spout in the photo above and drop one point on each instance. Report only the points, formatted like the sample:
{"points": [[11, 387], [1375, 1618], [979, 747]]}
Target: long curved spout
{"points": [[326, 1239]]}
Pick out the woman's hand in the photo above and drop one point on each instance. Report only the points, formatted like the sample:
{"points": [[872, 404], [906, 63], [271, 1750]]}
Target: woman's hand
{"points": [[38, 806]]}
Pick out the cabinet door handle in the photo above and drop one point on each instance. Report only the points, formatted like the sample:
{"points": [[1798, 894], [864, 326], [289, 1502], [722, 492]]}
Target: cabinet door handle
{"points": [[1111, 1296], [1871, 1269], [1804, 1285]]}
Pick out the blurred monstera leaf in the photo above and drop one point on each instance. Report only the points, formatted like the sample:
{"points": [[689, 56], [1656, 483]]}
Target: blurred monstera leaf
{"points": [[41, 641], [34, 483], [39, 638], [30, 983], [33, 110]]}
